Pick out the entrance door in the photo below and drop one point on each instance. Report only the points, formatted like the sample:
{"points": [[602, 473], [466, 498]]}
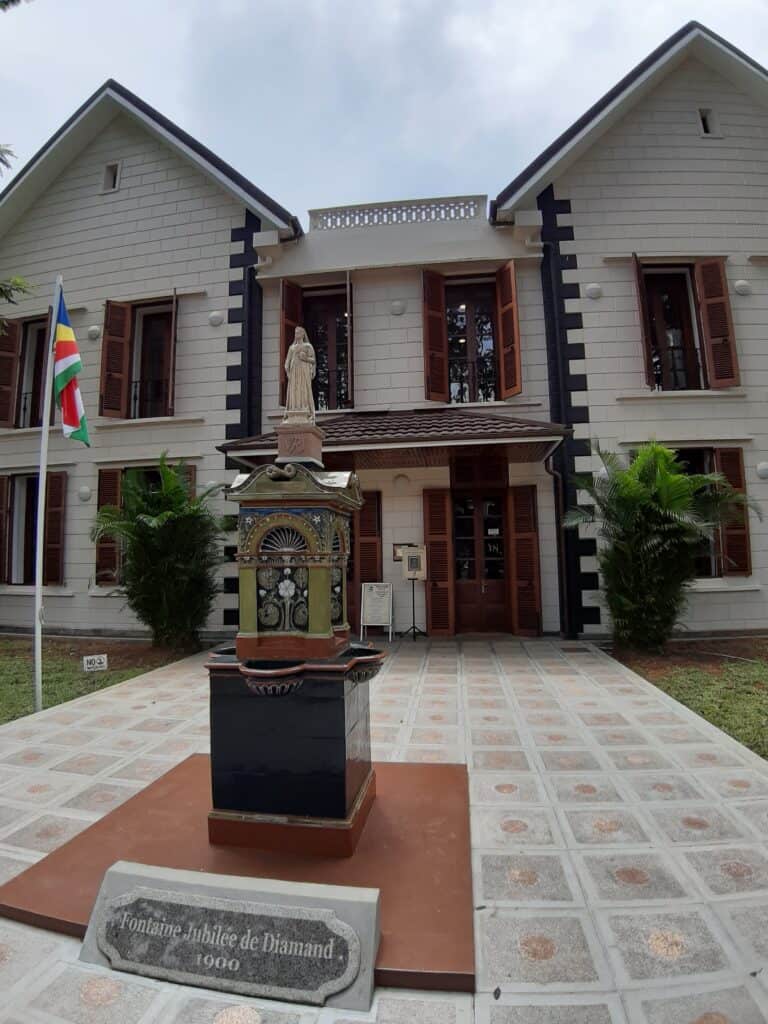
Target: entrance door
{"points": [[480, 562]]}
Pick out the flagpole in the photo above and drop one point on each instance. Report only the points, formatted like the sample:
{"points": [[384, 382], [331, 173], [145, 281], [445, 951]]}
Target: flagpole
{"points": [[41, 487]]}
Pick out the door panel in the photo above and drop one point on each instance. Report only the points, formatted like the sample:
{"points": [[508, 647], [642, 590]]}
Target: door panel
{"points": [[481, 565]]}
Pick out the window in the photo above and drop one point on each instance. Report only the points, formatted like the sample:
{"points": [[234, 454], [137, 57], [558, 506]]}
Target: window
{"points": [[471, 337], [728, 552], [22, 372], [687, 328], [708, 122], [111, 179], [326, 315], [18, 528], [138, 359]]}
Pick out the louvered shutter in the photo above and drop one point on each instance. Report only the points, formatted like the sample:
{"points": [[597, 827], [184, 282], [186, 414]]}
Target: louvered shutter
{"points": [[116, 352], [646, 326], [716, 323], [53, 535], [508, 331], [107, 549], [350, 343], [190, 472], [367, 563], [435, 337], [524, 560], [291, 315], [10, 363], [5, 519], [735, 545], [438, 539], [170, 360]]}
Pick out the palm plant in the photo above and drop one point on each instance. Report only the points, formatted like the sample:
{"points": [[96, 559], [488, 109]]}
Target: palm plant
{"points": [[653, 519], [169, 542]]}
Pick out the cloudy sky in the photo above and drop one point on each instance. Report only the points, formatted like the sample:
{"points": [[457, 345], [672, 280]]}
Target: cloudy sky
{"points": [[323, 102]]}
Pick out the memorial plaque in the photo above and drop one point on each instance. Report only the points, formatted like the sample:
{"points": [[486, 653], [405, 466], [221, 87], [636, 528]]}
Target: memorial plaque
{"points": [[253, 937]]}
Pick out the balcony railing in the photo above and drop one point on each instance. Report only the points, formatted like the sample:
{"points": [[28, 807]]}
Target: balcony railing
{"points": [[410, 211], [29, 410], [149, 398]]}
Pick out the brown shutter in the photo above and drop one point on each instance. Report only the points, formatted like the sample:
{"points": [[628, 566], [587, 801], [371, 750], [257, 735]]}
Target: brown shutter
{"points": [[190, 472], [53, 537], [438, 539], [116, 351], [10, 364], [350, 343], [716, 323], [170, 361], [646, 326], [108, 550], [367, 552], [508, 329], [291, 315], [435, 337], [734, 544], [5, 519], [524, 561]]}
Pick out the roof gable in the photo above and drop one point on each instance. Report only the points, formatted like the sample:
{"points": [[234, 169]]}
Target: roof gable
{"points": [[89, 119], [692, 40]]}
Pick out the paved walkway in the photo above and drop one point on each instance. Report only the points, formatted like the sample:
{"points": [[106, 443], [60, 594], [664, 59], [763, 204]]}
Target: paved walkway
{"points": [[620, 843]]}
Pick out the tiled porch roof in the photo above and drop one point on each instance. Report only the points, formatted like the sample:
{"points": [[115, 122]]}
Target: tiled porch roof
{"points": [[441, 426]]}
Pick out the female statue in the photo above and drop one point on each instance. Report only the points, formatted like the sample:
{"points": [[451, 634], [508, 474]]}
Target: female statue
{"points": [[300, 368]]}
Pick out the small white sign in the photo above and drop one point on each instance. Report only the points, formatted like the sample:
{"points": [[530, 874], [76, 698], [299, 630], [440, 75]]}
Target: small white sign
{"points": [[376, 607], [95, 663]]}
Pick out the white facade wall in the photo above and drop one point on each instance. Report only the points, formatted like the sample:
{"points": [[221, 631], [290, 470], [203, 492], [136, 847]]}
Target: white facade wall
{"points": [[167, 226], [654, 185]]}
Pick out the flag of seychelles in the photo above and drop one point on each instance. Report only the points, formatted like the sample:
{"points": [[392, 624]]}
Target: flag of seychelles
{"points": [[66, 366]]}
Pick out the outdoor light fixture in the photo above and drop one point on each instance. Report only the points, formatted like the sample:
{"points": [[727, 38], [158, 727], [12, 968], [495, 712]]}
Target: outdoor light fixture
{"points": [[84, 493], [216, 318], [762, 470], [742, 287], [397, 308], [593, 290], [94, 333]]}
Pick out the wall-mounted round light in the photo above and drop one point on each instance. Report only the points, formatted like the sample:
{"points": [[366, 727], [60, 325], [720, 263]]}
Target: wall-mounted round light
{"points": [[397, 307], [742, 287], [94, 333], [84, 493], [401, 483], [593, 290], [602, 473], [762, 470], [212, 483], [216, 318]]}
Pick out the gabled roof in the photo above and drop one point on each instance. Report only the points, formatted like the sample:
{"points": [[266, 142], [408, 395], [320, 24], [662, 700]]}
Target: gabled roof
{"points": [[89, 119], [692, 40]]}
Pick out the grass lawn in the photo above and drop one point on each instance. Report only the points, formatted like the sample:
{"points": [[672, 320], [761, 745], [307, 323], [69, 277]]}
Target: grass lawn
{"points": [[63, 675], [724, 681]]}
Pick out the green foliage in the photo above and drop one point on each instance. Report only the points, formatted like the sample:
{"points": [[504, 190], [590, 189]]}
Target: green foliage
{"points": [[652, 519], [13, 286], [170, 552]]}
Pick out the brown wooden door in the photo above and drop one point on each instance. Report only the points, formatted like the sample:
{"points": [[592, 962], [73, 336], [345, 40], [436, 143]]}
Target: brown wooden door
{"points": [[481, 566], [156, 346]]}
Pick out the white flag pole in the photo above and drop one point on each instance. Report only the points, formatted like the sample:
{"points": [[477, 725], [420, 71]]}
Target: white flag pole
{"points": [[41, 487]]}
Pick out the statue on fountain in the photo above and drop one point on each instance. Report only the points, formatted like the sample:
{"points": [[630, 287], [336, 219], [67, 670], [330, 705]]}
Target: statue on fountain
{"points": [[300, 370]]}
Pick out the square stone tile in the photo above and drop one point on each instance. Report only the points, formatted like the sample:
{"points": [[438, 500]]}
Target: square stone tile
{"points": [[654, 945], [748, 925], [711, 756], [10, 815], [697, 823], [660, 718], [735, 785], [754, 813], [534, 878], [501, 787], [730, 870], [87, 764], [22, 950], [124, 742], [429, 717], [73, 737], [584, 789], [557, 738], [202, 1010], [36, 790], [641, 759], [101, 798], [654, 788], [497, 828], [89, 997], [618, 737], [547, 718], [12, 866], [45, 833], [500, 760], [630, 877], [399, 1007], [715, 1005], [435, 735], [32, 757], [522, 950], [679, 734], [178, 747], [142, 769], [536, 1009], [569, 761], [609, 826], [495, 738], [433, 755], [604, 718]]}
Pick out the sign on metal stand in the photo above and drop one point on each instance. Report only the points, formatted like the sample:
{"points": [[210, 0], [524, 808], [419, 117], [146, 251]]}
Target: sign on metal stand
{"points": [[376, 607]]}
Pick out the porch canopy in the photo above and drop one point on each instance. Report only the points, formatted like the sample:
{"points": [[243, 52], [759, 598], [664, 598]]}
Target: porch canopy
{"points": [[405, 438]]}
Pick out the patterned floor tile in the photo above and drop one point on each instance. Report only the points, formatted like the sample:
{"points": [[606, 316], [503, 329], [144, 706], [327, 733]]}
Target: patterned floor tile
{"points": [[630, 877], [654, 788], [730, 870], [536, 1009], [584, 789], [569, 761], [202, 1010], [642, 759], [532, 878], [500, 760], [735, 785], [713, 756], [87, 764], [101, 798], [518, 826], [719, 1005], [45, 833], [87, 997], [608, 826], [500, 787], [748, 925], [696, 823]]}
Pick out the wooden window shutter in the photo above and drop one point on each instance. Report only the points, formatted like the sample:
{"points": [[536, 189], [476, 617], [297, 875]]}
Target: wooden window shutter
{"points": [[107, 549], [53, 535], [438, 540], [646, 325], [350, 343], [367, 562], [508, 331], [291, 315], [5, 523], [734, 542], [116, 352], [170, 361], [435, 337], [190, 472], [525, 577], [10, 365], [716, 323]]}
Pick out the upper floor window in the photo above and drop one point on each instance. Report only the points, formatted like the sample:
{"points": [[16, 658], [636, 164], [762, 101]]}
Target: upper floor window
{"points": [[138, 359], [22, 372], [688, 337], [326, 315], [471, 338]]}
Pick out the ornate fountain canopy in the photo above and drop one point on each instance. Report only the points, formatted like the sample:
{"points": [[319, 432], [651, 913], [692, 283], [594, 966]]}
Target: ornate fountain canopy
{"points": [[295, 483]]}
